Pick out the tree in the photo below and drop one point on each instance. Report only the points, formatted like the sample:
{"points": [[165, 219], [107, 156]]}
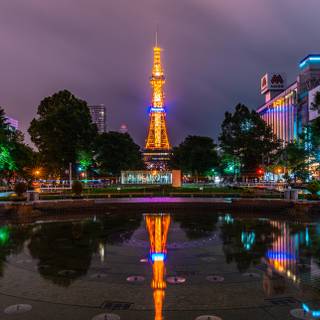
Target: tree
{"points": [[248, 139], [62, 129], [315, 137], [313, 187], [116, 152], [315, 105], [229, 165], [195, 155], [15, 156], [85, 159], [7, 138], [295, 159]]}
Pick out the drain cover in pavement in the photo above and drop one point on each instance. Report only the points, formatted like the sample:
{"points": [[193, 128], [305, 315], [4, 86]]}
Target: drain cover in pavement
{"points": [[18, 308], [106, 316], [208, 318], [215, 278], [301, 314], [251, 275], [176, 280], [66, 273], [135, 279]]}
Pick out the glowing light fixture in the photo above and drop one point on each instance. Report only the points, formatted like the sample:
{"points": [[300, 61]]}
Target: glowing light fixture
{"points": [[4, 235], [309, 59]]}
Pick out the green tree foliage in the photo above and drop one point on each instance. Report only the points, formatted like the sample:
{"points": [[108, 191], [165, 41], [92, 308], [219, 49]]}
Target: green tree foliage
{"points": [[7, 140], [315, 105], [117, 151], [295, 159], [63, 128], [15, 156], [195, 155], [247, 138], [6, 160], [315, 138], [230, 165], [313, 187], [85, 159]]}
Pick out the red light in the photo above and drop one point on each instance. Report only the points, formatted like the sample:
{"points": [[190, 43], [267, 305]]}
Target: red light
{"points": [[260, 171]]}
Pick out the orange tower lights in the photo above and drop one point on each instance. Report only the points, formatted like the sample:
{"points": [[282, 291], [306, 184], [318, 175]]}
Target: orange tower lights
{"points": [[157, 135], [158, 227]]}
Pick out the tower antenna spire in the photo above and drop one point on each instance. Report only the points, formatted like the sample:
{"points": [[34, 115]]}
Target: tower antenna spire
{"points": [[157, 32]]}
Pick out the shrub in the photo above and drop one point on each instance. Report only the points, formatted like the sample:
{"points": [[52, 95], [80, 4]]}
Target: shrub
{"points": [[77, 188], [312, 196], [20, 188], [313, 187]]}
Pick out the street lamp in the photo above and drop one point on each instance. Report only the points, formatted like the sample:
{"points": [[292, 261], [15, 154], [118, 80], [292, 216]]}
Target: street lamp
{"points": [[36, 172]]}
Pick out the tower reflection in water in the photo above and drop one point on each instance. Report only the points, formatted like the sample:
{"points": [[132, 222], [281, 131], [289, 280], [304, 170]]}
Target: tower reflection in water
{"points": [[158, 227]]}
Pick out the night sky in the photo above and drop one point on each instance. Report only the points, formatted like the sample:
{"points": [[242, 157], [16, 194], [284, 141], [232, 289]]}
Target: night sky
{"points": [[215, 52]]}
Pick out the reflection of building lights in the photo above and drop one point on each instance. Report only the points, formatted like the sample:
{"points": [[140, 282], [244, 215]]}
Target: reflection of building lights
{"points": [[157, 257], [282, 257], [101, 251], [314, 313], [278, 255], [248, 239], [228, 218], [307, 237]]}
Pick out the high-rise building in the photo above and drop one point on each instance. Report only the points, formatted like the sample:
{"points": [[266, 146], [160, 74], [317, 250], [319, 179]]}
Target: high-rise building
{"points": [[99, 117], [13, 123], [157, 147], [123, 128], [288, 109], [280, 108]]}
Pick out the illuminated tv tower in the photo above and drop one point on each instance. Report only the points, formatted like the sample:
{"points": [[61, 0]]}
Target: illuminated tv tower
{"points": [[158, 227], [157, 148]]}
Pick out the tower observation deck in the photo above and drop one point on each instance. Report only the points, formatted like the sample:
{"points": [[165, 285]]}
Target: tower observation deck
{"points": [[157, 147]]}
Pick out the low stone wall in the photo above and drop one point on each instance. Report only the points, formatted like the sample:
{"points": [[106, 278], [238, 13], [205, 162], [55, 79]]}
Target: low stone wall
{"points": [[85, 207]]}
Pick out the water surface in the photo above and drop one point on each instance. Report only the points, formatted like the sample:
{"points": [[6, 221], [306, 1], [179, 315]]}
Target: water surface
{"points": [[161, 266]]}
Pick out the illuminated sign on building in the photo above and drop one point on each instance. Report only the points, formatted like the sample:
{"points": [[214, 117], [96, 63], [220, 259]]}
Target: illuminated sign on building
{"points": [[273, 82], [152, 177], [146, 177]]}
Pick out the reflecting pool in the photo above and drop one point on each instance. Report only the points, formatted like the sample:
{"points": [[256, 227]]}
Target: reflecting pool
{"points": [[205, 266]]}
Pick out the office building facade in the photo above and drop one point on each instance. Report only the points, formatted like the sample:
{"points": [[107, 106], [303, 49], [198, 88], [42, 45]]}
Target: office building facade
{"points": [[287, 109], [13, 123], [99, 117]]}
